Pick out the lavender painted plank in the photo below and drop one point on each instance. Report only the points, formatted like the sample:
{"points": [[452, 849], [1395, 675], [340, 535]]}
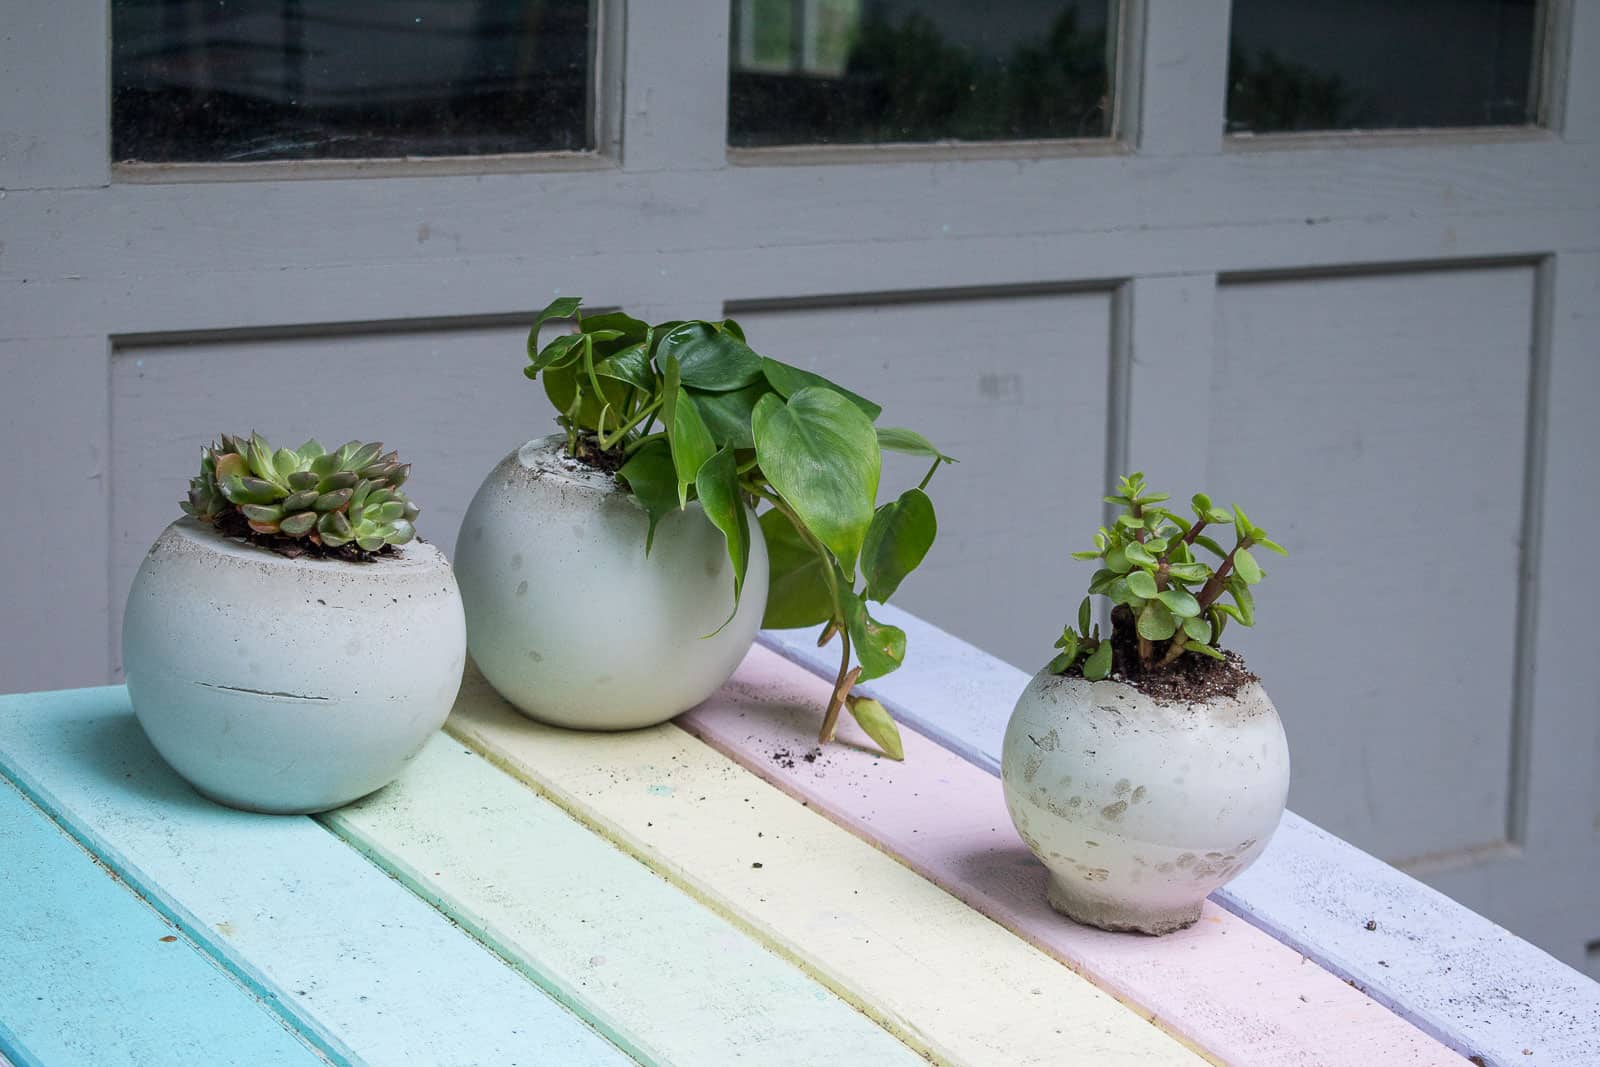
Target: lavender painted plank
{"points": [[364, 970], [1476, 987], [89, 974], [1221, 986]]}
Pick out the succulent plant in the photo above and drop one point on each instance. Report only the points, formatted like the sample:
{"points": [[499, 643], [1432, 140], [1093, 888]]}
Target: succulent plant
{"points": [[1162, 589], [334, 500]]}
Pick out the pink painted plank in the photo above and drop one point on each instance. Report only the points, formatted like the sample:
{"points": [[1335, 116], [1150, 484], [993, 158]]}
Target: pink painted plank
{"points": [[1222, 986]]}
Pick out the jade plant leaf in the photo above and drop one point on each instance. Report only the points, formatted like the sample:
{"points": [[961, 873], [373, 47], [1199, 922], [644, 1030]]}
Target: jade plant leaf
{"points": [[797, 591], [1098, 665], [901, 533], [820, 453], [717, 484]]}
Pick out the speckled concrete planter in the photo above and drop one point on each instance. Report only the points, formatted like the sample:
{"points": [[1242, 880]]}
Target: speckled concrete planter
{"points": [[571, 622], [1141, 808], [289, 685]]}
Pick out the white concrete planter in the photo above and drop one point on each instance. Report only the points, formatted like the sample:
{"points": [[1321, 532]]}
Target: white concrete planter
{"points": [[1141, 808], [568, 619], [289, 685]]}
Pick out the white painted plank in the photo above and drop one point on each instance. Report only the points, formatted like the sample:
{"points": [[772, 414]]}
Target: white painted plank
{"points": [[1457, 976], [364, 969], [944, 979], [675, 112], [90, 975], [658, 973]]}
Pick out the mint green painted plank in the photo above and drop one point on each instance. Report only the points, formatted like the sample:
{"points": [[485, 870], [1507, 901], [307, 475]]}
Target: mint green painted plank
{"points": [[651, 968], [90, 975], [364, 969]]}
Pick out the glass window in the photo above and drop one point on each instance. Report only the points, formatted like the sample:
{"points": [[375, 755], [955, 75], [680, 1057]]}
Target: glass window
{"points": [[827, 72], [248, 80], [1381, 64]]}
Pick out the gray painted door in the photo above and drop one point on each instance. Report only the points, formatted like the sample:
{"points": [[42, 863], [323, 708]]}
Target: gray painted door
{"points": [[1383, 345]]}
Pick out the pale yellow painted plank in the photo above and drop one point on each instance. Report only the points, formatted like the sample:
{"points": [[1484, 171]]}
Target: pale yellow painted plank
{"points": [[945, 979], [659, 974]]}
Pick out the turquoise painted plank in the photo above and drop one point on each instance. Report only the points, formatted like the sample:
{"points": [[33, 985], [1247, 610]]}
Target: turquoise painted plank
{"points": [[367, 971], [90, 975]]}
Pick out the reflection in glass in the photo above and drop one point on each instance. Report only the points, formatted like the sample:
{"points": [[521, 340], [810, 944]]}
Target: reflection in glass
{"points": [[1377, 64], [248, 80], [883, 71]]}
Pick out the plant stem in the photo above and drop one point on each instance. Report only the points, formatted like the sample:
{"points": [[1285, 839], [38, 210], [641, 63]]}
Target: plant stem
{"points": [[926, 478], [639, 442], [606, 443], [1215, 584], [842, 684]]}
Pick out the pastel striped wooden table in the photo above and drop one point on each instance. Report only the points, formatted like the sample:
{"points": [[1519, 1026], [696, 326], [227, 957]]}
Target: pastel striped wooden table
{"points": [[697, 893]]}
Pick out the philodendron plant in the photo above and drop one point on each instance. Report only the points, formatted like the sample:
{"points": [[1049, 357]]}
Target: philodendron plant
{"points": [[1161, 586], [345, 503], [689, 411]]}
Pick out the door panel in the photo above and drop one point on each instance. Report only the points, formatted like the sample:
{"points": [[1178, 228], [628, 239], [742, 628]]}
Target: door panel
{"points": [[1376, 425]]}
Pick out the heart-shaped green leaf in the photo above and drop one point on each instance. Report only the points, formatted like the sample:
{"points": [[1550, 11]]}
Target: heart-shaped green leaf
{"points": [[797, 591], [690, 440], [876, 722], [717, 484], [562, 307], [708, 358], [820, 454], [910, 442], [879, 648], [789, 380], [630, 364], [899, 537], [651, 476], [727, 415], [617, 324]]}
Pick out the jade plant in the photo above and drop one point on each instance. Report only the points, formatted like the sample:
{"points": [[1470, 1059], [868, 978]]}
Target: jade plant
{"points": [[346, 503], [687, 410], [1165, 577]]}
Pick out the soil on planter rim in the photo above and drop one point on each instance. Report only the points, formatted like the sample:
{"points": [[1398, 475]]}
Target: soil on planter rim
{"points": [[589, 453], [235, 525], [1191, 678]]}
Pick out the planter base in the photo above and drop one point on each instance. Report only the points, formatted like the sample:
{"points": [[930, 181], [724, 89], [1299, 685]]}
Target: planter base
{"points": [[1116, 915]]}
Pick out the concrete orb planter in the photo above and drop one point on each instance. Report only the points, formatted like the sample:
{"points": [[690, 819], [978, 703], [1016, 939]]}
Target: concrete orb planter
{"points": [[289, 685], [570, 621], [1138, 807]]}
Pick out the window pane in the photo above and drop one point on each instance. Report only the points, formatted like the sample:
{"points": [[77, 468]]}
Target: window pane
{"points": [[1380, 64], [247, 80], [876, 71]]}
